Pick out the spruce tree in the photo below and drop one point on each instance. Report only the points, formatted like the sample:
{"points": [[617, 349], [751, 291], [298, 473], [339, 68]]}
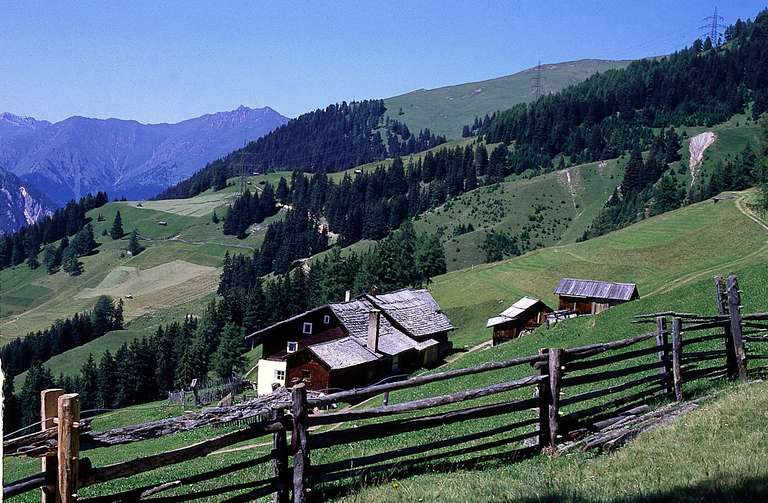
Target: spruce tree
{"points": [[51, 259], [214, 217], [89, 384], [107, 374], [133, 243], [38, 378], [11, 410], [83, 242], [228, 357], [70, 264], [33, 262], [116, 232], [633, 173]]}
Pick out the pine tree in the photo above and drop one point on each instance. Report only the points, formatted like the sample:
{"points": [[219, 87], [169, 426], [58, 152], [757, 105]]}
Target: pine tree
{"points": [[11, 410], [70, 264], [51, 259], [228, 357], [116, 232], [430, 257], [83, 242], [89, 384], [107, 375], [761, 168], [38, 378], [33, 262], [633, 173], [133, 243]]}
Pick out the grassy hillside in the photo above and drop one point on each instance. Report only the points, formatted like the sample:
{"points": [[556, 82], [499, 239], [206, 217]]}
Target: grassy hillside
{"points": [[690, 243], [552, 208], [445, 110], [691, 459], [657, 254]]}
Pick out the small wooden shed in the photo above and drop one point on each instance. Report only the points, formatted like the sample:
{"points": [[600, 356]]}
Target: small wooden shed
{"points": [[522, 316], [586, 296]]}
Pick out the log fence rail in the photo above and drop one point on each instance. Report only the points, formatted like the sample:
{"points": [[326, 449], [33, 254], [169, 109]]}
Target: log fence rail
{"points": [[592, 396]]}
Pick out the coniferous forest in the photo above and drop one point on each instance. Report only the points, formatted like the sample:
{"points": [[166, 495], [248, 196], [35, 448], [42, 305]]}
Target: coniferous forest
{"points": [[67, 221], [338, 137]]}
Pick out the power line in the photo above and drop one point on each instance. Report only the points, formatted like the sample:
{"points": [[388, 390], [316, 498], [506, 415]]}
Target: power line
{"points": [[536, 82], [713, 28]]}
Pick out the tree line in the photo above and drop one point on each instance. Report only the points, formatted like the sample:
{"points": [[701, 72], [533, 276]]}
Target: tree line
{"points": [[610, 113], [19, 246], [19, 354], [322, 141], [368, 205]]}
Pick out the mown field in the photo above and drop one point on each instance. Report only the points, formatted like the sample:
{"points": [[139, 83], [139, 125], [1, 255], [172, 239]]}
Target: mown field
{"points": [[693, 244]]}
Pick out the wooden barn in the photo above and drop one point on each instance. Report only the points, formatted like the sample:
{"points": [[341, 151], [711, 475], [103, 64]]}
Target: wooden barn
{"points": [[354, 343], [586, 296], [522, 316]]}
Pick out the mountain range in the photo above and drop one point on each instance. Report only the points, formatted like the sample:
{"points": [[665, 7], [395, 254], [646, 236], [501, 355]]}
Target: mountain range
{"points": [[70, 158], [20, 203]]}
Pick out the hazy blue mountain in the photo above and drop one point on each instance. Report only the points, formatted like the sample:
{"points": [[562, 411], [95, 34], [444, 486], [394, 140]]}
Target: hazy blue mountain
{"points": [[70, 158], [20, 204]]}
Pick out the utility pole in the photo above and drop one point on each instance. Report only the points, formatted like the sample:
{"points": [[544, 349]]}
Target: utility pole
{"points": [[536, 82], [713, 28]]}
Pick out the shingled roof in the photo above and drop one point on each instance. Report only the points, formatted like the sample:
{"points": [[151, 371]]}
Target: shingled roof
{"points": [[515, 310], [416, 311], [343, 353], [588, 288], [354, 316]]}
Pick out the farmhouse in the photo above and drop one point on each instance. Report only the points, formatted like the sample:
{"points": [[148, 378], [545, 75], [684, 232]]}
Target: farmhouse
{"points": [[353, 343], [585, 296], [522, 316]]}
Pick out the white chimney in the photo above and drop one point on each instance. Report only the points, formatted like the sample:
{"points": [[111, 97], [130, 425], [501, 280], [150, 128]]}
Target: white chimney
{"points": [[347, 296], [373, 330]]}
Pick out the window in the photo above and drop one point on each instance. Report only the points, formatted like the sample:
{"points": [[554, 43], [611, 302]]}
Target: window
{"points": [[280, 375], [293, 346], [306, 329], [396, 362], [326, 319]]}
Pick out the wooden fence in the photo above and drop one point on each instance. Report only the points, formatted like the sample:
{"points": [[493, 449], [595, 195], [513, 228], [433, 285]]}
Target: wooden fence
{"points": [[577, 396]]}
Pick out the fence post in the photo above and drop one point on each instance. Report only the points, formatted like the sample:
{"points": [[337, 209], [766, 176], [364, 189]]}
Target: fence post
{"points": [[300, 443], [555, 374], [68, 446], [722, 309], [280, 461], [677, 357], [662, 341], [734, 310], [543, 392], [49, 409]]}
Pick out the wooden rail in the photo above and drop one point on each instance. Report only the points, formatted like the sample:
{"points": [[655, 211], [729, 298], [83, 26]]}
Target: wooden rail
{"points": [[593, 391]]}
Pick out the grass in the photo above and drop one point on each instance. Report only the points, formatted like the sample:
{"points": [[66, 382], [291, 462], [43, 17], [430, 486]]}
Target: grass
{"points": [[553, 208], [445, 110], [657, 254], [679, 240], [716, 453]]}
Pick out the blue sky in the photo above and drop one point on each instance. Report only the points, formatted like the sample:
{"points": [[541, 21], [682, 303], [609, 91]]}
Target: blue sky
{"points": [[164, 61]]}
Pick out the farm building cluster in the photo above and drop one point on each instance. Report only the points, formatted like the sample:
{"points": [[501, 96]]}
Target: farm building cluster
{"points": [[576, 297], [373, 337], [347, 344]]}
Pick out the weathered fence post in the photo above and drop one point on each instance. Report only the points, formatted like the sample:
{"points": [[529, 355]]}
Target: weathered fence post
{"points": [[677, 357], [543, 392], [280, 461], [49, 409], [734, 310], [68, 446], [300, 443], [722, 309], [555, 375], [662, 341]]}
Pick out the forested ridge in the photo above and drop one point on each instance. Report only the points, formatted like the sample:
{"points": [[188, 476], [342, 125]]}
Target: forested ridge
{"points": [[611, 112], [67, 221], [336, 138]]}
